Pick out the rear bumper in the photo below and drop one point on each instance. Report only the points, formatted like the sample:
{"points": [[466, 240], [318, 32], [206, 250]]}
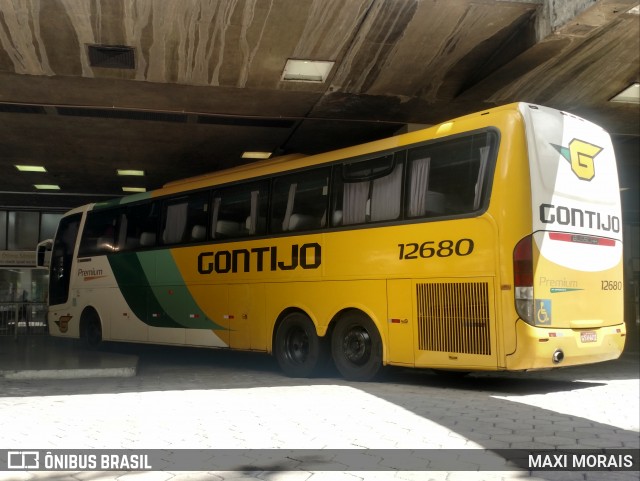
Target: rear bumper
{"points": [[536, 346]]}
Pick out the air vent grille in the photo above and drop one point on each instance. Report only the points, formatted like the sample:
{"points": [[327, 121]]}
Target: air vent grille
{"points": [[454, 317], [112, 56]]}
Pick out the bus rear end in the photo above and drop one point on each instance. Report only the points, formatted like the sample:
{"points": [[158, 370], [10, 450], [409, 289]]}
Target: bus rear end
{"points": [[568, 273]]}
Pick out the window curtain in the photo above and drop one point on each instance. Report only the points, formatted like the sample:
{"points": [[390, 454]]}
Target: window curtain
{"points": [[289, 209], [176, 223], [354, 203], [418, 187], [386, 196]]}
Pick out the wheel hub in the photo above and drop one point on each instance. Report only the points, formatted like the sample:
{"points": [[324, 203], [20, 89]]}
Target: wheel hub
{"points": [[297, 346], [357, 345]]}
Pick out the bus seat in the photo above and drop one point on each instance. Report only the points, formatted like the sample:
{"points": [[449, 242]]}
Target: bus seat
{"points": [[435, 202], [147, 239], [198, 232], [261, 224], [227, 228], [302, 221], [336, 218]]}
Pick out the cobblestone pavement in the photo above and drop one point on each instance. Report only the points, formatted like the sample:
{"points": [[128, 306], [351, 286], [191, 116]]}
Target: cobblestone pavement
{"points": [[190, 398]]}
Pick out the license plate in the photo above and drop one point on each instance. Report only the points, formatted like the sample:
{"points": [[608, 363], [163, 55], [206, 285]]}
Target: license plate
{"points": [[588, 336]]}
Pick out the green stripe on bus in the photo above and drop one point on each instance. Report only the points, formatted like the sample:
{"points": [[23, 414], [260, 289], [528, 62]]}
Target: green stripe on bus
{"points": [[122, 200], [166, 305], [135, 288], [175, 298]]}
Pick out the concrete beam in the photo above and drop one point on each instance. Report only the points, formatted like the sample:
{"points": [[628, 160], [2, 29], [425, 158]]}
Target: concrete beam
{"points": [[554, 14]]}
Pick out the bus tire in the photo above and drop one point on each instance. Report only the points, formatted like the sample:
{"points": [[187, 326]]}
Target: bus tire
{"points": [[90, 328], [298, 349], [356, 347]]}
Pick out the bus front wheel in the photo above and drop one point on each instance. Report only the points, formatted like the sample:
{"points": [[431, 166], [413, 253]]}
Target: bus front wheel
{"points": [[298, 349], [357, 347], [90, 329]]}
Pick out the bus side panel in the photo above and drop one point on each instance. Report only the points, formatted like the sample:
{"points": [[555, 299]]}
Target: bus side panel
{"points": [[511, 208], [213, 301], [401, 319], [247, 329]]}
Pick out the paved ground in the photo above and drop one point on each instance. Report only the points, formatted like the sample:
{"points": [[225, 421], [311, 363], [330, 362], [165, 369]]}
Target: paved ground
{"points": [[186, 398]]}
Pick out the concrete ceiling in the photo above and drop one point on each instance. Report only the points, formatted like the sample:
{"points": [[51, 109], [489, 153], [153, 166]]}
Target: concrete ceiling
{"points": [[205, 82]]}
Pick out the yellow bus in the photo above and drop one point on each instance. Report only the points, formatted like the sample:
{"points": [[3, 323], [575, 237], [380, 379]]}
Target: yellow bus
{"points": [[490, 242]]}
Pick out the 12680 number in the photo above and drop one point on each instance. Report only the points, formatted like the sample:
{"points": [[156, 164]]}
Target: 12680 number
{"points": [[611, 285], [428, 249]]}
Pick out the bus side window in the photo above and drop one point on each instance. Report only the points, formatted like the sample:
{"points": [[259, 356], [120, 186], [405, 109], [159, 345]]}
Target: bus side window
{"points": [[185, 219], [449, 177], [368, 191], [299, 201], [142, 224], [100, 233], [240, 211]]}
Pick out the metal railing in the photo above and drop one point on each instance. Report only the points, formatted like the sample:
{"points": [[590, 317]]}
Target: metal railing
{"points": [[23, 318]]}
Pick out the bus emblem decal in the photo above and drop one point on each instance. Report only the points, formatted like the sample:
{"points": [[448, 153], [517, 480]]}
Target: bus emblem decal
{"points": [[580, 155], [63, 323]]}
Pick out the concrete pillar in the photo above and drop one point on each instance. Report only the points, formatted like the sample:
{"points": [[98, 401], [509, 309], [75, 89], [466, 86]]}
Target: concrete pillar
{"points": [[556, 13]]}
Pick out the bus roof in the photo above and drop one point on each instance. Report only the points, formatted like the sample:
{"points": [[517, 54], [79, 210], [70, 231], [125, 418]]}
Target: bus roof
{"points": [[299, 161]]}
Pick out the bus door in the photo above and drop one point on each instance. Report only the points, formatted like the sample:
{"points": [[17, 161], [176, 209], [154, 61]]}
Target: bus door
{"points": [[61, 259], [247, 329]]}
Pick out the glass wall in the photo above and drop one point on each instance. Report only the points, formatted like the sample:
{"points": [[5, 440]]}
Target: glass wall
{"points": [[3, 230], [22, 230]]}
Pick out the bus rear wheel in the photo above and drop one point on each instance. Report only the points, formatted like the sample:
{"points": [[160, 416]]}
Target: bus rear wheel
{"points": [[356, 346], [90, 329], [298, 349]]}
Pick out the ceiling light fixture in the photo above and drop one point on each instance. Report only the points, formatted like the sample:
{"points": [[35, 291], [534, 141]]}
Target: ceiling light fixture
{"points": [[134, 189], [132, 172], [47, 186], [256, 155], [630, 95], [31, 168], [307, 70]]}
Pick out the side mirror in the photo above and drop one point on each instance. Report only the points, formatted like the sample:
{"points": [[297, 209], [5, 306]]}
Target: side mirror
{"points": [[42, 249]]}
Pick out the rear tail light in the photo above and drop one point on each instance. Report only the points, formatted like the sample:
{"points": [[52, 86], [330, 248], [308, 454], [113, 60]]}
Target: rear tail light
{"points": [[523, 279]]}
